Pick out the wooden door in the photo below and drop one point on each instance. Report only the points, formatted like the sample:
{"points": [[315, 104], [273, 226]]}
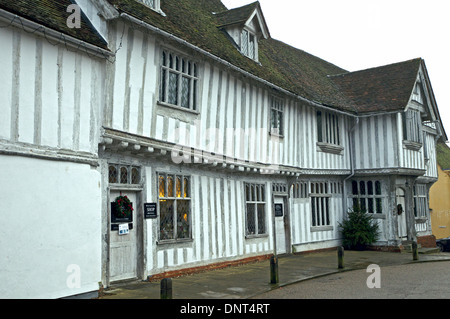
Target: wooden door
{"points": [[123, 247]]}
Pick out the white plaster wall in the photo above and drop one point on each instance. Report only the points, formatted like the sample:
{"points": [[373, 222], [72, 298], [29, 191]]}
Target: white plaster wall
{"points": [[51, 219]]}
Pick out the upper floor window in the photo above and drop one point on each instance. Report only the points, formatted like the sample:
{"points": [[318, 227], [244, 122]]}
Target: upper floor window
{"points": [[248, 44], [179, 77], [328, 128], [417, 94], [420, 201], [154, 4], [276, 116], [412, 126]]}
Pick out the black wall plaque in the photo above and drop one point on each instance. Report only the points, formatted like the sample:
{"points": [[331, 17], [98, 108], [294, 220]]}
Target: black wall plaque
{"points": [[150, 210], [278, 210]]}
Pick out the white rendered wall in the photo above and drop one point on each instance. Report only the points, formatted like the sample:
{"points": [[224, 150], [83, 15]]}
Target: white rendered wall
{"points": [[51, 213]]}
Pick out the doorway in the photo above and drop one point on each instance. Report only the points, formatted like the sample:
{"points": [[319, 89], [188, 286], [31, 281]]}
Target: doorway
{"points": [[123, 239], [401, 213]]}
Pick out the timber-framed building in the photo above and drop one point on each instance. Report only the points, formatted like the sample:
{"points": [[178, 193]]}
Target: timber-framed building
{"points": [[229, 144]]}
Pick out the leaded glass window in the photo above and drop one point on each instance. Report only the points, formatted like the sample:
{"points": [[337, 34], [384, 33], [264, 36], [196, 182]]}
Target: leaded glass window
{"points": [[255, 209], [124, 174], [248, 44], [276, 115], [179, 77], [174, 207]]}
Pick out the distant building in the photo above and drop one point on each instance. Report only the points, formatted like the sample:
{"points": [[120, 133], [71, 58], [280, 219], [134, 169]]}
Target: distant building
{"points": [[440, 194], [229, 145]]}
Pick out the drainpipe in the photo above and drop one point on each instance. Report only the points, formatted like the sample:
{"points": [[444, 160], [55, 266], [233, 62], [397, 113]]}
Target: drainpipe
{"points": [[351, 151]]}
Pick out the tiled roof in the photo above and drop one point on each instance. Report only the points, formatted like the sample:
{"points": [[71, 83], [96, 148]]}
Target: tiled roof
{"points": [[385, 88], [53, 14], [287, 67], [237, 15]]}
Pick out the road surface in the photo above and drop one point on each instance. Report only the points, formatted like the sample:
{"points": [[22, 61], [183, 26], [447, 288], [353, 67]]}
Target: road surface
{"points": [[427, 280]]}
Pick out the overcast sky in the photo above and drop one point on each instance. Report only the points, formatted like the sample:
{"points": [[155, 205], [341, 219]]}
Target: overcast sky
{"points": [[356, 35]]}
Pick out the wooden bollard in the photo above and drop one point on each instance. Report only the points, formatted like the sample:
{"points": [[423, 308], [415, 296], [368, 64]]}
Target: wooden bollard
{"points": [[340, 253], [274, 270], [415, 251], [166, 288]]}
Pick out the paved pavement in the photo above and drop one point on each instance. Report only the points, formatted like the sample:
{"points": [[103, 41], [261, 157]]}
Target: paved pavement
{"points": [[250, 280]]}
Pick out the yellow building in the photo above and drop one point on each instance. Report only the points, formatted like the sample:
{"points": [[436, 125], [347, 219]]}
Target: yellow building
{"points": [[440, 194]]}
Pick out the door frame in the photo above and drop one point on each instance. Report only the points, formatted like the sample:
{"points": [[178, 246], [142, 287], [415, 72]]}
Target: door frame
{"points": [[401, 219], [138, 225]]}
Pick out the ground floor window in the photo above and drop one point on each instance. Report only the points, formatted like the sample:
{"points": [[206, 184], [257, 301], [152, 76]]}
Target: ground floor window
{"points": [[320, 204], [367, 195], [420, 201], [174, 207], [255, 201]]}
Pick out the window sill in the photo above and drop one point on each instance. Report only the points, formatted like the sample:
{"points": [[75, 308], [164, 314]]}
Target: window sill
{"points": [[378, 216], [420, 220], [330, 148], [321, 228], [176, 107], [174, 241], [256, 236], [275, 134], [411, 145]]}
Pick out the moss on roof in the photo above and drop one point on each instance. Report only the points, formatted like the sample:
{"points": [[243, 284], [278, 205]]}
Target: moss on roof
{"points": [[443, 155]]}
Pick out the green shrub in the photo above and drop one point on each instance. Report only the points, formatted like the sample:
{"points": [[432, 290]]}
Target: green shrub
{"points": [[358, 230]]}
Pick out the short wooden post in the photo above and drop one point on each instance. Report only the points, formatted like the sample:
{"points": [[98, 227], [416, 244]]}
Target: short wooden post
{"points": [[415, 251], [274, 270], [166, 288], [340, 252]]}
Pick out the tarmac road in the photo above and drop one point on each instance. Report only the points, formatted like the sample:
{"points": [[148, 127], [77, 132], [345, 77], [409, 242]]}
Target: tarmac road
{"points": [[428, 280]]}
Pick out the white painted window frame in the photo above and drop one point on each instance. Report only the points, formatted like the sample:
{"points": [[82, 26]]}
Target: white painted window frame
{"points": [[320, 195], [257, 198], [249, 44], [277, 111], [182, 67]]}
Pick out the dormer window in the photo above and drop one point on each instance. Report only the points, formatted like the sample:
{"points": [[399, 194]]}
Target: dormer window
{"points": [[152, 4], [245, 26], [248, 44]]}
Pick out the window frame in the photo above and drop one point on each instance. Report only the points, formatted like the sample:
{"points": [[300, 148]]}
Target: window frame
{"points": [[276, 107], [320, 194], [185, 195], [131, 177], [248, 44], [255, 201], [412, 129], [329, 132], [420, 201], [366, 198], [174, 65]]}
